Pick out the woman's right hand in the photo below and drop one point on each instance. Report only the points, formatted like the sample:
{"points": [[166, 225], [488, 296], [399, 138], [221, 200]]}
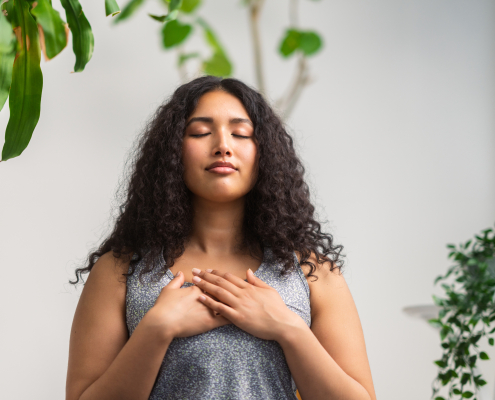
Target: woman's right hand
{"points": [[178, 312]]}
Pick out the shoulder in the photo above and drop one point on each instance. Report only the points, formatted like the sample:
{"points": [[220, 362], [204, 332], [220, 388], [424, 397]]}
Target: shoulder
{"points": [[328, 284], [109, 270]]}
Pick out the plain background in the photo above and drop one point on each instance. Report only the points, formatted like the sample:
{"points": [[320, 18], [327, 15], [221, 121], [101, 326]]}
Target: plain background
{"points": [[396, 133]]}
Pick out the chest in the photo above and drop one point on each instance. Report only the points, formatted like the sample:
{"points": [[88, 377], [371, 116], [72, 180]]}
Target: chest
{"points": [[237, 265]]}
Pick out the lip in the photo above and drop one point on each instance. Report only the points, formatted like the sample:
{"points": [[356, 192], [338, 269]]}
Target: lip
{"points": [[222, 170], [220, 166]]}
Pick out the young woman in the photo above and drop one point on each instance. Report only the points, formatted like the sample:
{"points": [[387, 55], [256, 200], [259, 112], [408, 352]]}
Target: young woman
{"points": [[216, 282]]}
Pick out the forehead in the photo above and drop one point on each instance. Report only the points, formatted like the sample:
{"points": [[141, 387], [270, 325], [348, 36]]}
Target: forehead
{"points": [[219, 104]]}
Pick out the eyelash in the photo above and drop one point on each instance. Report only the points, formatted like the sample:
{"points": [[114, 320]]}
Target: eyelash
{"points": [[204, 134]]}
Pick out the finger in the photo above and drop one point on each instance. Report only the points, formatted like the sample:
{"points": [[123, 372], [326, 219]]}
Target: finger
{"points": [[231, 278], [219, 280], [254, 280], [177, 282], [217, 307], [212, 286]]}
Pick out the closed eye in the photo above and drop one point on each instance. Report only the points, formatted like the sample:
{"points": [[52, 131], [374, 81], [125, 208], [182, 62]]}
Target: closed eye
{"points": [[204, 134]]}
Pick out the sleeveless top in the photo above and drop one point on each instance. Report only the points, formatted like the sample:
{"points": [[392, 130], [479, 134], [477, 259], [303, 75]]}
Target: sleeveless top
{"points": [[225, 362]]}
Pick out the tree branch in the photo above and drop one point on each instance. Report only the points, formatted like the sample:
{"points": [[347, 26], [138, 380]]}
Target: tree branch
{"points": [[254, 14]]}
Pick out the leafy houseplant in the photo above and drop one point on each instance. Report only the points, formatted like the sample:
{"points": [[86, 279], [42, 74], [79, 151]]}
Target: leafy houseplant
{"points": [[38, 25], [466, 316]]}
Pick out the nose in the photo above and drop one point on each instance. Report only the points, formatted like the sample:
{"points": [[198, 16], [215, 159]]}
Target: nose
{"points": [[222, 145]]}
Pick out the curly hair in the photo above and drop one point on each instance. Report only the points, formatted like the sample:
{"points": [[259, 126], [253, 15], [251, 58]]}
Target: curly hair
{"points": [[156, 214]]}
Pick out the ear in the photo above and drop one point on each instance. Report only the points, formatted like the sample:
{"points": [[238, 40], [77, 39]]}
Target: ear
{"points": [[254, 280]]}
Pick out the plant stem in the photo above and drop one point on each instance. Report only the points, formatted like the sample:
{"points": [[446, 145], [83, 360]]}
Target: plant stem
{"points": [[293, 15], [254, 14], [302, 78], [286, 103]]}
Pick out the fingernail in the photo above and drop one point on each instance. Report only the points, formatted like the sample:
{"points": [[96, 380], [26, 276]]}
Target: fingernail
{"points": [[209, 270], [196, 271], [177, 274], [251, 270], [196, 279]]}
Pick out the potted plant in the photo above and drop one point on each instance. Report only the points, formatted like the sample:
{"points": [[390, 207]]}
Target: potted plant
{"points": [[466, 317]]}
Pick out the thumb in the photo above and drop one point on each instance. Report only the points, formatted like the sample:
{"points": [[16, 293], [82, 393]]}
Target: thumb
{"points": [[254, 280], [178, 281]]}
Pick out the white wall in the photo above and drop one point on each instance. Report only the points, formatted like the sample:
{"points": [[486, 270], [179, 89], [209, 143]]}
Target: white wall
{"points": [[397, 135]]}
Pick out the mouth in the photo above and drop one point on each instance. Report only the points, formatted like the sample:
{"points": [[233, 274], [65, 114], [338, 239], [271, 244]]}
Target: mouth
{"points": [[222, 170]]}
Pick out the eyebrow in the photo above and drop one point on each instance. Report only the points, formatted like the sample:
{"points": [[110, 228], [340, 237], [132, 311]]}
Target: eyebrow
{"points": [[210, 120]]}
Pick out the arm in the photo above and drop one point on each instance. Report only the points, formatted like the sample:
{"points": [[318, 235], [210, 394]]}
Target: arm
{"points": [[329, 360], [103, 362]]}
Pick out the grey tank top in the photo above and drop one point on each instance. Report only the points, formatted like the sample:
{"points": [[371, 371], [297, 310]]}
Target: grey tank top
{"points": [[225, 362]]}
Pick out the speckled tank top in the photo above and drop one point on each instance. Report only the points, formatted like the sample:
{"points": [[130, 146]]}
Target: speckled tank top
{"points": [[225, 362]]}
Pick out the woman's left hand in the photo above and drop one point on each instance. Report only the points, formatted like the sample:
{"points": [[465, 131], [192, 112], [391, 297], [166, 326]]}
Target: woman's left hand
{"points": [[253, 306]]}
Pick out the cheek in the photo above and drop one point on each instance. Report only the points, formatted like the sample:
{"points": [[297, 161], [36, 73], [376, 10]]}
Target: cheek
{"points": [[248, 155], [190, 154]]}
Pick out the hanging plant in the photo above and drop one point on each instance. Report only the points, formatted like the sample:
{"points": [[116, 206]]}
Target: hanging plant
{"points": [[466, 317]]}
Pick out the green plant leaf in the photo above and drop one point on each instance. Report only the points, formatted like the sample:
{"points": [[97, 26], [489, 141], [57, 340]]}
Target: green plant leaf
{"points": [[174, 33], [188, 6], [111, 8], [174, 5], [7, 54], [467, 395], [82, 35], [210, 36], [309, 42], [168, 17], [7, 37], [436, 323], [26, 86], [129, 9], [217, 65], [53, 27], [465, 378], [491, 341], [484, 356], [184, 57], [6, 65], [8, 9], [290, 42]]}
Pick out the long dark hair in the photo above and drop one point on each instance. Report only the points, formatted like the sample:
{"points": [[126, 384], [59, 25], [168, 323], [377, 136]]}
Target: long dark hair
{"points": [[155, 214]]}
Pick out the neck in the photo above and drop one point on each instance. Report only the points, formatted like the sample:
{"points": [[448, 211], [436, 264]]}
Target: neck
{"points": [[217, 227]]}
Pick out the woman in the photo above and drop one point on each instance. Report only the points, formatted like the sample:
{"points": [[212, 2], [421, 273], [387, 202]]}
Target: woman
{"points": [[216, 282]]}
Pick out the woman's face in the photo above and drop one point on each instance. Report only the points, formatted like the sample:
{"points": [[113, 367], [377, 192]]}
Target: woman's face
{"points": [[219, 129]]}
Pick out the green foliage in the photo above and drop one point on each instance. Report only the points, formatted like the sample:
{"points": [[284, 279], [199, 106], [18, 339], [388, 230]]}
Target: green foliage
{"points": [[174, 33], [188, 6], [168, 17], [53, 27], [129, 9], [466, 313], [26, 86], [218, 64], [7, 54], [20, 74], [82, 35], [308, 42], [111, 8]]}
